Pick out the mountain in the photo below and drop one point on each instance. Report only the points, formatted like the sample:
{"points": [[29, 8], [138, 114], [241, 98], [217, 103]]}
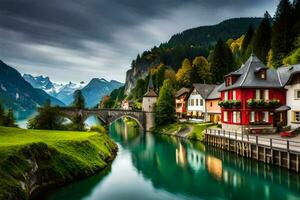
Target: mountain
{"points": [[18, 94], [97, 88], [187, 44], [65, 92], [93, 91], [43, 83]]}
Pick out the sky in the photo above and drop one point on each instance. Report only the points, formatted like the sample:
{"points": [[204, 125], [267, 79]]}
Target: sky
{"points": [[76, 40]]}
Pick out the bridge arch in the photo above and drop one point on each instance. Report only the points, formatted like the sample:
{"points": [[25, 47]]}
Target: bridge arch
{"points": [[129, 116]]}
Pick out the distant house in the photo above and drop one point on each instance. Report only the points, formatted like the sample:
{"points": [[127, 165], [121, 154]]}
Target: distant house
{"points": [[290, 78], [181, 102], [127, 104], [196, 107], [212, 106], [253, 98]]}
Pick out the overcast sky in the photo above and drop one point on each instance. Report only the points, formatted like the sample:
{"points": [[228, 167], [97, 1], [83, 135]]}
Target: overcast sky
{"points": [[81, 39]]}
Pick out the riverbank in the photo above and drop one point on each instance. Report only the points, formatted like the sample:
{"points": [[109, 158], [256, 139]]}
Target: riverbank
{"points": [[31, 160], [188, 130]]}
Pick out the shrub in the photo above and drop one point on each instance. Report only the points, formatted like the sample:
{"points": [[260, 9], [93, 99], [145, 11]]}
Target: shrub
{"points": [[97, 128]]}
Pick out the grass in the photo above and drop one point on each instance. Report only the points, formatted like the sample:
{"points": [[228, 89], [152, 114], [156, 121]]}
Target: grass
{"points": [[39, 158], [174, 129]]}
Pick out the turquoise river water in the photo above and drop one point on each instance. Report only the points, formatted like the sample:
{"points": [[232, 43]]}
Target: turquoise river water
{"points": [[161, 167]]}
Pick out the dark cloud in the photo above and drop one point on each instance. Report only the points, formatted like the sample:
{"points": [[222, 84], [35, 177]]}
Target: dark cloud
{"points": [[91, 37]]}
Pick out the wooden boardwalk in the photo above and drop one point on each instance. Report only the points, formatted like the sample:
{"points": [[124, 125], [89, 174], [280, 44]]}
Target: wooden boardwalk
{"points": [[268, 149]]}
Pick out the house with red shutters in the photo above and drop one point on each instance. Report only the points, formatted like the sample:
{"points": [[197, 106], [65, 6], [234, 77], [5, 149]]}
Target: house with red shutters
{"points": [[253, 99]]}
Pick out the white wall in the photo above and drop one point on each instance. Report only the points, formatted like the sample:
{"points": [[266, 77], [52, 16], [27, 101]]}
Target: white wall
{"points": [[195, 108], [293, 103], [148, 103]]}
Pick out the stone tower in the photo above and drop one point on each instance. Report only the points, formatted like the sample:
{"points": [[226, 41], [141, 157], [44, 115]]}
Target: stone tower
{"points": [[149, 100]]}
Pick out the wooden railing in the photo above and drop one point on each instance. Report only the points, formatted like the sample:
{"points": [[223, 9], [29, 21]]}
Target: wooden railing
{"points": [[273, 143]]}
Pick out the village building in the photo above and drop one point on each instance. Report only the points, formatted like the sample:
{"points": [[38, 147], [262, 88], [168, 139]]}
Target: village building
{"points": [[196, 105], [290, 78], [127, 104], [212, 106], [181, 102], [253, 99], [150, 98]]}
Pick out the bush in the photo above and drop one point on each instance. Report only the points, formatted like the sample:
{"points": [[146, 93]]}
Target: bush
{"points": [[97, 128]]}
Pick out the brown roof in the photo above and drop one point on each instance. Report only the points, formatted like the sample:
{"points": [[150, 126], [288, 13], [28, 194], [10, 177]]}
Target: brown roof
{"points": [[150, 93], [182, 91]]}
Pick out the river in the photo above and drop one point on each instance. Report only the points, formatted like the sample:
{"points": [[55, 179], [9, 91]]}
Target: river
{"points": [[161, 167]]}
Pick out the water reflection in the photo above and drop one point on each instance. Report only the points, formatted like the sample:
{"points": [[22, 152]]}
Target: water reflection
{"points": [[163, 167]]}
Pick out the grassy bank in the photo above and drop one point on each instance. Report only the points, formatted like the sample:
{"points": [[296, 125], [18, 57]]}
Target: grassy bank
{"points": [[189, 130], [34, 159]]}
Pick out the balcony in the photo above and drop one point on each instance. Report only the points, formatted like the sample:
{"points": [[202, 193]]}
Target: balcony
{"points": [[261, 103], [230, 104]]}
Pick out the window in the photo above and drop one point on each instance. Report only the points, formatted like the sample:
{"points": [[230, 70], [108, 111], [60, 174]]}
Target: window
{"points": [[236, 117], [229, 81], [201, 102], [192, 102], [233, 95], [265, 116], [266, 94], [225, 116], [252, 116], [197, 102], [226, 95], [257, 94], [296, 116], [297, 94], [262, 75], [211, 104]]}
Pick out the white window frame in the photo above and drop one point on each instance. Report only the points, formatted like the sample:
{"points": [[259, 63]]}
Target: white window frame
{"points": [[226, 95], [225, 116], [252, 116], [296, 116], [266, 94], [296, 94], [266, 116], [257, 94], [236, 117], [234, 95]]}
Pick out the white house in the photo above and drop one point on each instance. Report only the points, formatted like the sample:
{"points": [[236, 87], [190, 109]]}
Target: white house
{"points": [[196, 100], [290, 78]]}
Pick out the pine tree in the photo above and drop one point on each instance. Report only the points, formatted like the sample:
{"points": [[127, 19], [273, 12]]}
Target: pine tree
{"points": [[262, 39], [79, 101], [222, 62], [2, 115], [282, 36], [165, 106], [48, 118], [296, 23], [9, 119], [247, 41]]}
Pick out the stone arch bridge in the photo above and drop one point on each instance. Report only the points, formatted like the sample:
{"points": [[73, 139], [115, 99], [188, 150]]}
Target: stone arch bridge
{"points": [[107, 116]]}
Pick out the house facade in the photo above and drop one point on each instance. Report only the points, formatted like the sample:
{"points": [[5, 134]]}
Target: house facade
{"points": [[212, 106], [181, 102], [290, 78], [196, 100], [252, 98]]}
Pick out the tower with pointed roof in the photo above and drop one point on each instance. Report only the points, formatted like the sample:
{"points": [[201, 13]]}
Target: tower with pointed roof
{"points": [[149, 98]]}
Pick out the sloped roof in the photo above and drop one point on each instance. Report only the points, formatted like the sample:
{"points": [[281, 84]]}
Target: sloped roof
{"points": [[286, 73], [181, 92], [215, 94], [150, 93], [248, 78], [203, 89]]}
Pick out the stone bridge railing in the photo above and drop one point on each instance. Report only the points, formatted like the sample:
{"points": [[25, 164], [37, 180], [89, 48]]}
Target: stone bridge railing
{"points": [[107, 116]]}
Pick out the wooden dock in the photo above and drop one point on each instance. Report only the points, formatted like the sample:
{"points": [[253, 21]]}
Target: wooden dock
{"points": [[283, 153]]}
